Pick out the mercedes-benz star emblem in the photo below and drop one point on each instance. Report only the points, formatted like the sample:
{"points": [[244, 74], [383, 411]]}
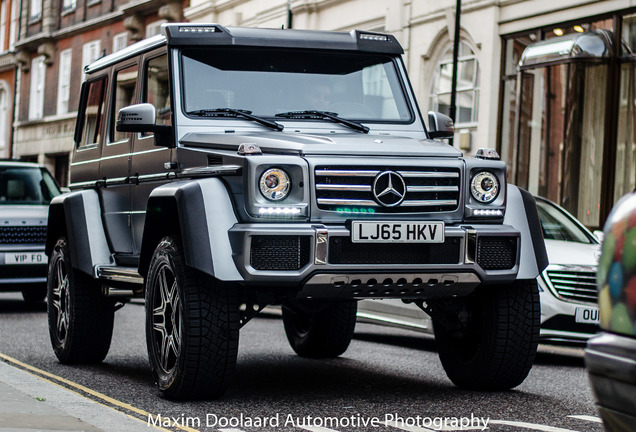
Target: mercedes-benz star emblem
{"points": [[389, 188]]}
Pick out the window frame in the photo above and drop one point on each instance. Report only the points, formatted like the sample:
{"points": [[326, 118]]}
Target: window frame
{"points": [[37, 87], [65, 68], [435, 94]]}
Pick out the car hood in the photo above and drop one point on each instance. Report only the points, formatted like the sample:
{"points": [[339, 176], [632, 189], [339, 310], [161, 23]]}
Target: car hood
{"points": [[336, 144], [572, 253], [23, 214]]}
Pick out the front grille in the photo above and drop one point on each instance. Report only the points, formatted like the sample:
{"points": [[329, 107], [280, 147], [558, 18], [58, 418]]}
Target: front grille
{"points": [[497, 253], [428, 189], [279, 252], [574, 285], [22, 234], [343, 251]]}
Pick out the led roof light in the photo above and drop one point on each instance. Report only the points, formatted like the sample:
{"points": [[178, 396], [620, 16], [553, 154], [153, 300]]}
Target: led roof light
{"points": [[197, 29], [373, 37]]}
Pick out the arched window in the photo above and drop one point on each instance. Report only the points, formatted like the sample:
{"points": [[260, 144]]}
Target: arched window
{"points": [[467, 98]]}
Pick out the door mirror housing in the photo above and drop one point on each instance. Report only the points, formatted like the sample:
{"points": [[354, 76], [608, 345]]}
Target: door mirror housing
{"points": [[440, 126], [141, 118]]}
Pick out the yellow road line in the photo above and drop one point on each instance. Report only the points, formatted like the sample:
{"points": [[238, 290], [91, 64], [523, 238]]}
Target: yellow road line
{"points": [[110, 400]]}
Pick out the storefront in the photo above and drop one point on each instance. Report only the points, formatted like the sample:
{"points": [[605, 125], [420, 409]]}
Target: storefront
{"points": [[568, 102]]}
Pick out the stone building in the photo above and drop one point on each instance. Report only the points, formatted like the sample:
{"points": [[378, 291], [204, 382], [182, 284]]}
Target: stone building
{"points": [[564, 121], [56, 40], [549, 84]]}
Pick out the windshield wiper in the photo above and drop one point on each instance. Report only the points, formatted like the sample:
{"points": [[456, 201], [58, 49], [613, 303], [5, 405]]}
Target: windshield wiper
{"points": [[231, 112], [315, 114]]}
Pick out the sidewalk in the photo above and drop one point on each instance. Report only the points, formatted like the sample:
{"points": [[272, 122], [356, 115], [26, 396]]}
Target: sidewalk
{"points": [[28, 403]]}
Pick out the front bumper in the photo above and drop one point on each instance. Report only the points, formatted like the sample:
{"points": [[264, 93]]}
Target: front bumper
{"points": [[565, 319], [611, 363], [322, 260]]}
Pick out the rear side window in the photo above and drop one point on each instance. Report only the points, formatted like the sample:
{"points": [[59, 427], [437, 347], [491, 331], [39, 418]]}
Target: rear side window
{"points": [[93, 115], [125, 85]]}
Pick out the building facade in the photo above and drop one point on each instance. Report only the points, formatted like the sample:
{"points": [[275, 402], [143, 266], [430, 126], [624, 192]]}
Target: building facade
{"points": [[563, 124], [56, 40], [9, 16]]}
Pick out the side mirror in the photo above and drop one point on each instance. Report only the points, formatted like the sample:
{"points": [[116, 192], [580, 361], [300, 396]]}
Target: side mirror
{"points": [[600, 236], [440, 126], [141, 118]]}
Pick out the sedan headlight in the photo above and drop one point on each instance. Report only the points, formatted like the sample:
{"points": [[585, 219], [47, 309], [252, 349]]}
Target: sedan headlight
{"points": [[274, 184], [484, 187]]}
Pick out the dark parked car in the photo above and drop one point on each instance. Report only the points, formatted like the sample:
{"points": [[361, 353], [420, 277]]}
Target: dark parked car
{"points": [[611, 355], [25, 192], [217, 167]]}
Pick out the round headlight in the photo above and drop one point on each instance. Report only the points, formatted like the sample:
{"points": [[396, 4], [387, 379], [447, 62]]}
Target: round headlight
{"points": [[274, 184], [485, 187]]}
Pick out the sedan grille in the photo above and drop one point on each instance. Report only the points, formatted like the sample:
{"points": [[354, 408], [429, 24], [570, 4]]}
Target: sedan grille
{"points": [[424, 189], [22, 234], [574, 285]]}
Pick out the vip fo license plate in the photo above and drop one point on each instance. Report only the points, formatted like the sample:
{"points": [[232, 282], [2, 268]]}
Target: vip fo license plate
{"points": [[25, 258], [397, 232], [587, 315]]}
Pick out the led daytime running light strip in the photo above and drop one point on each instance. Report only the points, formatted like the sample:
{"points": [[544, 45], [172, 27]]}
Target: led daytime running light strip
{"points": [[279, 211], [480, 212]]}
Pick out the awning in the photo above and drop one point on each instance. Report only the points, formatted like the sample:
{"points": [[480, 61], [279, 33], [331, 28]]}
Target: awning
{"points": [[590, 46]]}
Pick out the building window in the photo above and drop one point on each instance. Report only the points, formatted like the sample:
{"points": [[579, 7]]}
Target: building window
{"points": [[36, 93], [90, 53], [120, 41], [4, 114], [13, 30], [68, 5], [36, 10], [467, 96], [154, 28], [3, 25], [64, 81]]}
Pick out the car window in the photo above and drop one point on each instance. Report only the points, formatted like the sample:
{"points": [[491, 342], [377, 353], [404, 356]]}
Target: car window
{"points": [[93, 113], [158, 89], [30, 186], [125, 85], [268, 82], [557, 225]]}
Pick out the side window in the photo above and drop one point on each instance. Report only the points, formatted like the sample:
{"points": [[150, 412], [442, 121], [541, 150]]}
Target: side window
{"points": [[125, 85], [93, 114], [157, 90]]}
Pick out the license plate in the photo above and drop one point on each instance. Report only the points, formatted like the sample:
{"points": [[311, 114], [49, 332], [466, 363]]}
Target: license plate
{"points": [[397, 232], [587, 315], [25, 258]]}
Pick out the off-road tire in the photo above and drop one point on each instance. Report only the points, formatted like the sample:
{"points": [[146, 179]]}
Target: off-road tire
{"points": [[203, 312], [323, 334], [499, 344], [80, 318]]}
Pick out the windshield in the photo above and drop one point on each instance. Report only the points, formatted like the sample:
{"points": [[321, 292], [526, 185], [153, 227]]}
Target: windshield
{"points": [[26, 185], [557, 225], [266, 82]]}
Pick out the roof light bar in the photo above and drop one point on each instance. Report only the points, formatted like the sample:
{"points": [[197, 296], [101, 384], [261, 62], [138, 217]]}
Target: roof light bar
{"points": [[374, 37], [197, 29]]}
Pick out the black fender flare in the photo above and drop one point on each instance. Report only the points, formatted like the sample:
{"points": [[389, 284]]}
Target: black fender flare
{"points": [[202, 212], [78, 217]]}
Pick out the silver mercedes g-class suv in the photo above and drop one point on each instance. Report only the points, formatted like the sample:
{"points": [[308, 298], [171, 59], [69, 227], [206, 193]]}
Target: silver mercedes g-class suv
{"points": [[219, 170]]}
